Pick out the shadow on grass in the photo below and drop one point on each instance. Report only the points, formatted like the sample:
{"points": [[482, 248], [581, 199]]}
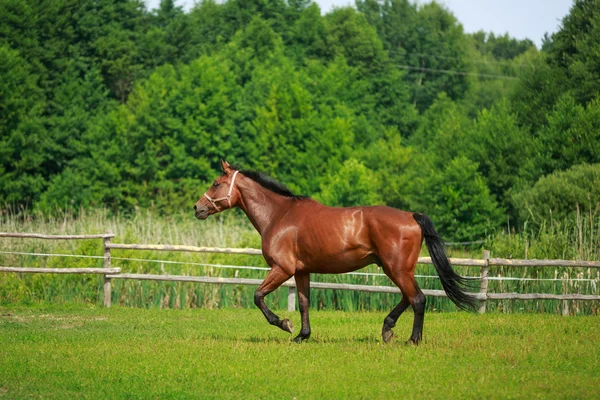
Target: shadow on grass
{"points": [[315, 340]]}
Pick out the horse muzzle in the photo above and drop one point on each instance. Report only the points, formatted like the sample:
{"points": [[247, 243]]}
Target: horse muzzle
{"points": [[201, 212]]}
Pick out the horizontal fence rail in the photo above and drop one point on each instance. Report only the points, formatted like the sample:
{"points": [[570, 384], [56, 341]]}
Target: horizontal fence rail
{"points": [[289, 283], [190, 249], [543, 263], [115, 273], [99, 271], [541, 296], [55, 237]]}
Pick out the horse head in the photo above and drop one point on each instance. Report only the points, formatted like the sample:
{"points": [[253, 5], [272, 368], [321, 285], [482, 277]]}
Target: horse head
{"points": [[221, 195]]}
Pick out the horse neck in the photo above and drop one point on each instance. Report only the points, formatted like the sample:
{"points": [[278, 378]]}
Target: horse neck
{"points": [[260, 205]]}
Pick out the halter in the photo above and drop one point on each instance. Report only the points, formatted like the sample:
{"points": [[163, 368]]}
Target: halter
{"points": [[228, 197]]}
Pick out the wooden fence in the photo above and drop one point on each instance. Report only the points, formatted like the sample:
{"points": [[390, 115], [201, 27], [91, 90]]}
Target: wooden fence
{"points": [[115, 273]]}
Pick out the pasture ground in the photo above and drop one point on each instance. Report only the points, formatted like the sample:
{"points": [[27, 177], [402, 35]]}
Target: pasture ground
{"points": [[83, 351]]}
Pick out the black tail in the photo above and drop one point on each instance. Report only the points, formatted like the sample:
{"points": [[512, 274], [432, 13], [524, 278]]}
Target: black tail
{"points": [[453, 284]]}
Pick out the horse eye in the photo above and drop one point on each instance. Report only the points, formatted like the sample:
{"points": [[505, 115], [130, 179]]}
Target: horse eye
{"points": [[216, 184]]}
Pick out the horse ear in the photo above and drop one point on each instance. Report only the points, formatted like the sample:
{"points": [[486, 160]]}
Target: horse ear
{"points": [[225, 165]]}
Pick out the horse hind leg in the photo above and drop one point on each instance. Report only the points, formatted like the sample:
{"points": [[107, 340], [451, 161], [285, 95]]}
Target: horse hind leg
{"points": [[390, 321], [418, 305], [303, 286], [411, 295]]}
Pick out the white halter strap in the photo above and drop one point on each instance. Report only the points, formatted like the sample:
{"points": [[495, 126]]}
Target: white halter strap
{"points": [[228, 197]]}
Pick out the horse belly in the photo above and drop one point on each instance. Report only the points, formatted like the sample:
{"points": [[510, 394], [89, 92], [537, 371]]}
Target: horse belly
{"points": [[337, 263]]}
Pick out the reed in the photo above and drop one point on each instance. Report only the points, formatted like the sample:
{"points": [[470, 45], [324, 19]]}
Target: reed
{"points": [[577, 238], [573, 239]]}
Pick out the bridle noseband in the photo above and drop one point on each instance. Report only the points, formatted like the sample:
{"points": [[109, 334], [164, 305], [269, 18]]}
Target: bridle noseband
{"points": [[228, 197]]}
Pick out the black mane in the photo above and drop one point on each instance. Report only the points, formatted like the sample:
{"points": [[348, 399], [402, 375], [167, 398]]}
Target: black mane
{"points": [[271, 184]]}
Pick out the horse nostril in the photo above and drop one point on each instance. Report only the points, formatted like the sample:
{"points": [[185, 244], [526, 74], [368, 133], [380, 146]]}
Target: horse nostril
{"points": [[195, 207]]}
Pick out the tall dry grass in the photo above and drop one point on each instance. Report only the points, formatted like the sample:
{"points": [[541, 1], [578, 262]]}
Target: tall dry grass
{"points": [[576, 239]]}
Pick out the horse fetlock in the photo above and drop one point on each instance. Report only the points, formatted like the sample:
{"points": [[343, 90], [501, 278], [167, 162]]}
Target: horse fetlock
{"points": [[303, 335], [298, 339], [389, 322], [413, 341]]}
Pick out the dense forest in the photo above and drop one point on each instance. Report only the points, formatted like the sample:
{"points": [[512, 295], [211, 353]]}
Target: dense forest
{"points": [[104, 103]]}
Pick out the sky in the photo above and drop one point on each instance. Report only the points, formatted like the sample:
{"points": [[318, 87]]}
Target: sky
{"points": [[522, 19]]}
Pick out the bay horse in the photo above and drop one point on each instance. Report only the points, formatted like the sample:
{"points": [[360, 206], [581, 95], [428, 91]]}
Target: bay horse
{"points": [[301, 236]]}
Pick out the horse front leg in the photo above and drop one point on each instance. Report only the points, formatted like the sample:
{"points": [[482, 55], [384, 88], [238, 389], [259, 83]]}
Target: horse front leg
{"points": [[303, 286], [274, 279]]}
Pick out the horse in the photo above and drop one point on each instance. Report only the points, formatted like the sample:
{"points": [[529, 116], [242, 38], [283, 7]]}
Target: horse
{"points": [[301, 236]]}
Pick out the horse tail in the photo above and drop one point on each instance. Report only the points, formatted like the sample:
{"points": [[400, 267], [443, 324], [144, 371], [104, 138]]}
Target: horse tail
{"points": [[454, 284]]}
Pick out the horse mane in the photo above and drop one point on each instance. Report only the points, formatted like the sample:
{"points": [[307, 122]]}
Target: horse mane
{"points": [[271, 184]]}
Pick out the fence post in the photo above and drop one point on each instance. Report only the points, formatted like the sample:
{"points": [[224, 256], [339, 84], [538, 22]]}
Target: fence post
{"points": [[565, 308], [291, 298], [107, 285], [484, 281]]}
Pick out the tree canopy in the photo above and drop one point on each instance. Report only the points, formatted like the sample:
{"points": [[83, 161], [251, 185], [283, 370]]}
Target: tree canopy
{"points": [[104, 103]]}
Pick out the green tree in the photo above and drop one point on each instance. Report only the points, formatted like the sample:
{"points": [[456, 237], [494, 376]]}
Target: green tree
{"points": [[398, 168], [569, 64], [500, 47], [351, 185], [442, 130], [170, 37], [424, 40], [176, 126], [572, 135], [307, 37], [350, 35], [497, 63], [237, 14], [460, 203], [294, 134], [557, 195], [575, 48], [494, 141], [441, 45], [539, 87], [208, 32], [253, 46], [501, 148], [23, 141], [79, 107]]}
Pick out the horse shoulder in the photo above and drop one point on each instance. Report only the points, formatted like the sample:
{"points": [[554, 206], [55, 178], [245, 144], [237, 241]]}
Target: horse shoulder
{"points": [[279, 245]]}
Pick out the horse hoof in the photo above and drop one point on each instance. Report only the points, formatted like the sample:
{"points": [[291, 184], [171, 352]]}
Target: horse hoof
{"points": [[387, 335], [298, 339], [412, 342], [287, 326]]}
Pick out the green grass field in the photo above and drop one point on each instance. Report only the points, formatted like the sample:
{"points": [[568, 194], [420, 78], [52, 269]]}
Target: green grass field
{"points": [[83, 351]]}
